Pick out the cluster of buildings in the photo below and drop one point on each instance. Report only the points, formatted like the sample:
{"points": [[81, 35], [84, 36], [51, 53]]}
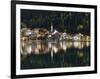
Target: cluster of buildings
{"points": [[41, 33], [54, 40]]}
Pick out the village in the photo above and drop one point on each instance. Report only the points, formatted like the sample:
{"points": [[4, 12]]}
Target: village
{"points": [[52, 35], [50, 39]]}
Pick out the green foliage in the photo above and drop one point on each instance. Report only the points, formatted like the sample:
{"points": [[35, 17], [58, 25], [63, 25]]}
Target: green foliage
{"points": [[71, 21]]}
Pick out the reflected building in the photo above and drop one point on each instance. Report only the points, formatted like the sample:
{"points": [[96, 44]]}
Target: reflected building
{"points": [[46, 54], [42, 47]]}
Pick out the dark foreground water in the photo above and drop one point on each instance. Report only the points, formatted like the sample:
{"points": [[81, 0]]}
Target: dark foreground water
{"points": [[42, 54]]}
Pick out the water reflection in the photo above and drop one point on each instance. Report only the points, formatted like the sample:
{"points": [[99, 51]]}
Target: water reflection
{"points": [[42, 47], [43, 54]]}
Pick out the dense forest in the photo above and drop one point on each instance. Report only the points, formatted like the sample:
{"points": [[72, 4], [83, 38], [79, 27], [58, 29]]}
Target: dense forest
{"points": [[70, 22]]}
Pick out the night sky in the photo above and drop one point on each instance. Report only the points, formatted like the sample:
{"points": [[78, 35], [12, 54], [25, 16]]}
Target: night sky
{"points": [[71, 22]]}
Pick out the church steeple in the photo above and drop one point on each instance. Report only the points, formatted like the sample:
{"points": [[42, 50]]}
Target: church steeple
{"points": [[51, 28]]}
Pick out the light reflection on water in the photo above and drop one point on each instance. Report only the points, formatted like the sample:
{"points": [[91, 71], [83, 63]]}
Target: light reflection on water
{"points": [[43, 54], [42, 47]]}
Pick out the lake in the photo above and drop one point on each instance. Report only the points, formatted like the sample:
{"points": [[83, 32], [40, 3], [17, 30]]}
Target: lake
{"points": [[37, 54]]}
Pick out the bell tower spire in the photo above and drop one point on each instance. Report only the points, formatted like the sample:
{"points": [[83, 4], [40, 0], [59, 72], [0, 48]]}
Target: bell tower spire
{"points": [[51, 28]]}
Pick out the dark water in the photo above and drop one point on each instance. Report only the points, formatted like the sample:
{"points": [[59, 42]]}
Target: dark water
{"points": [[42, 54]]}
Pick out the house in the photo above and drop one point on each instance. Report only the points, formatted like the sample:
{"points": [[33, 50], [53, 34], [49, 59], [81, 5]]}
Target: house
{"points": [[64, 35], [78, 37], [55, 36], [40, 33]]}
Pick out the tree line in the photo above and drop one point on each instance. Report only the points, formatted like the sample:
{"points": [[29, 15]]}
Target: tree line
{"points": [[70, 22]]}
